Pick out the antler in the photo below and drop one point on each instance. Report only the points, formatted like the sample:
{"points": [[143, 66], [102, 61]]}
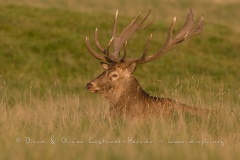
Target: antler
{"points": [[118, 41], [189, 29]]}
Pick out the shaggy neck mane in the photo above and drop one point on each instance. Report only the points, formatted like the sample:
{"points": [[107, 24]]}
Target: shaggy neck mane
{"points": [[129, 94]]}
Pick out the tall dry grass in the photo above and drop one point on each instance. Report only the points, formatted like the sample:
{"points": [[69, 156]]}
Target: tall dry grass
{"points": [[71, 119]]}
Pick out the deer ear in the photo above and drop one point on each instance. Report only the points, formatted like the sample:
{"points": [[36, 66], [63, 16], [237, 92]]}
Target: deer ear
{"points": [[105, 66], [132, 67]]}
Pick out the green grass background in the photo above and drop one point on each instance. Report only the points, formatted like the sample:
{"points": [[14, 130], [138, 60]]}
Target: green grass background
{"points": [[44, 66]]}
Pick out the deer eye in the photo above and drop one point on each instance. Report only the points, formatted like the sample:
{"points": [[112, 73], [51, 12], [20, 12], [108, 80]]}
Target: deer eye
{"points": [[113, 76]]}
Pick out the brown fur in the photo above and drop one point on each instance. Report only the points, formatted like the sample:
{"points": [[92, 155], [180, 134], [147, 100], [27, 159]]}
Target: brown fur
{"points": [[126, 96]]}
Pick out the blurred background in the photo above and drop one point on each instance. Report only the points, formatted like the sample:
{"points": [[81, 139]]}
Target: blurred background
{"points": [[43, 41]]}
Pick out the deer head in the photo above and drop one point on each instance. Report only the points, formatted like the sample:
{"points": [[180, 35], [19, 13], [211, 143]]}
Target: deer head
{"points": [[113, 80], [118, 70]]}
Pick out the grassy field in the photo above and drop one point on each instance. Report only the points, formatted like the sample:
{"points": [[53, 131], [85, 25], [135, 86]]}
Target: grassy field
{"points": [[44, 67]]}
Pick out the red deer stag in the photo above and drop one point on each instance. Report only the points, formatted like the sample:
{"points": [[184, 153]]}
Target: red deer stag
{"points": [[117, 83]]}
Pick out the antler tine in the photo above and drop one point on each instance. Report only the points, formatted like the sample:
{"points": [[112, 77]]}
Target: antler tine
{"points": [[148, 24], [189, 29], [125, 52], [198, 26], [147, 47], [97, 56], [169, 36], [115, 24], [107, 51], [108, 47], [145, 17], [189, 20], [97, 42], [136, 18]]}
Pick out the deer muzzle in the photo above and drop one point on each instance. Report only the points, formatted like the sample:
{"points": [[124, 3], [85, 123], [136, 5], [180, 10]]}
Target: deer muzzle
{"points": [[92, 87]]}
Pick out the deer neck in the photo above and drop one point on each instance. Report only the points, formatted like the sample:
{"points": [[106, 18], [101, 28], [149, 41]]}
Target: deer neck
{"points": [[126, 93]]}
